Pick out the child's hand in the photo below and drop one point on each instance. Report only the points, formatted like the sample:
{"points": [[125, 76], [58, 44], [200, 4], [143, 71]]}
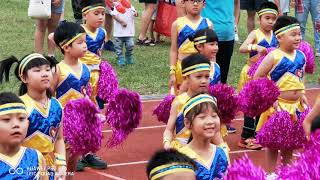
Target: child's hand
{"points": [[307, 128], [61, 173], [276, 106], [172, 80], [261, 50], [135, 13], [56, 3], [167, 145], [304, 101], [123, 24]]}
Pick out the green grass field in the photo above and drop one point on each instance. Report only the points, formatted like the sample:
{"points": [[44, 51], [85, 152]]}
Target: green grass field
{"points": [[149, 74]]}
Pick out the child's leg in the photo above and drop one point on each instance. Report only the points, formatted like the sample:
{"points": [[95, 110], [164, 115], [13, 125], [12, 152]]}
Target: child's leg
{"points": [[129, 49], [272, 156], [71, 166], [151, 26], [118, 47], [52, 25], [286, 156], [39, 34], [108, 24]]}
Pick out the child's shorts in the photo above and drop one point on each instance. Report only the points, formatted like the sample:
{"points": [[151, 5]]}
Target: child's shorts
{"points": [[59, 9], [148, 1]]}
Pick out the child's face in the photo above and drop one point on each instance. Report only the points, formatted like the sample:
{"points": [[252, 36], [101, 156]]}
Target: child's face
{"points": [[267, 21], [13, 128], [193, 7], [180, 175], [206, 124], [78, 48], [209, 49], [39, 78], [198, 82], [291, 39], [95, 18]]}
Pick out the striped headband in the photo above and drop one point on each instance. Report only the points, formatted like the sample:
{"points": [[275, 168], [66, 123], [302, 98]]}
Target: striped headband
{"points": [[197, 100], [166, 169], [267, 11], [286, 29], [26, 60], [91, 8], [196, 68], [10, 108], [200, 40], [66, 42]]}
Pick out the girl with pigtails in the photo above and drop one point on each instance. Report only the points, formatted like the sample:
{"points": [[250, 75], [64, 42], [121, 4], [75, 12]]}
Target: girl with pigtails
{"points": [[44, 112]]}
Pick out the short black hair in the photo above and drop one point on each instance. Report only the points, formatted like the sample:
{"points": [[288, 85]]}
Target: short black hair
{"points": [[9, 97], [194, 59], [85, 3], [269, 5], [283, 21], [66, 30], [210, 34], [163, 157]]}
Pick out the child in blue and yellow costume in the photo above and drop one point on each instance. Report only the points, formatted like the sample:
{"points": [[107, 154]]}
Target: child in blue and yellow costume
{"points": [[256, 44], [201, 118], [175, 134], [170, 164], [16, 161], [93, 13], [43, 112], [181, 47], [72, 77], [285, 66]]}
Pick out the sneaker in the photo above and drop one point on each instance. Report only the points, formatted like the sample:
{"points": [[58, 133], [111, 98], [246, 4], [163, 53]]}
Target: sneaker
{"points": [[80, 165], [129, 60], [249, 143], [93, 161], [272, 176], [109, 46], [317, 54], [121, 61], [231, 129]]}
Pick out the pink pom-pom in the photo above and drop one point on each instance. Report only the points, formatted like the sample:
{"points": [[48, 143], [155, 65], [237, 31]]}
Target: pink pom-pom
{"points": [[307, 166], [123, 114], [281, 132], [162, 111], [82, 126], [257, 96], [255, 66], [307, 49], [227, 101], [108, 82], [244, 169]]}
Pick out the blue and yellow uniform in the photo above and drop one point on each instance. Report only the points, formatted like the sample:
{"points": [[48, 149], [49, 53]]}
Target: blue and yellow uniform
{"points": [[211, 168], [26, 164], [70, 83], [287, 73], [92, 59], [215, 73], [43, 128], [186, 29], [260, 40]]}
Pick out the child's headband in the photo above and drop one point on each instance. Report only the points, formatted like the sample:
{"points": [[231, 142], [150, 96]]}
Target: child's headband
{"points": [[26, 60], [196, 68], [92, 7], [286, 29], [166, 169], [267, 11], [200, 40], [10, 108], [66, 42], [197, 100]]}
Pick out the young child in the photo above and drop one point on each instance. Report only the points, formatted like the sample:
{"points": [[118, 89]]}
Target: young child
{"points": [[16, 161], [93, 13], [181, 47], [123, 34], [43, 112], [72, 76], [201, 118], [255, 44], [170, 164], [284, 66], [195, 70]]}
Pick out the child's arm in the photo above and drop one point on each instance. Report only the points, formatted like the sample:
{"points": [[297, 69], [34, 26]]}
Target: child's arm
{"points": [[168, 132], [265, 67], [55, 81], [60, 150], [249, 45], [120, 20], [173, 52], [311, 117]]}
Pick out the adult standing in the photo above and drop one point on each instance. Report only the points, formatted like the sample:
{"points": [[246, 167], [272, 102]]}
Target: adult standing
{"points": [[303, 7], [149, 7], [77, 13], [221, 13]]}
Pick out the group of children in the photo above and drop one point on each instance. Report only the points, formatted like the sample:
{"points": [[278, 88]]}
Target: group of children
{"points": [[31, 126]]}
